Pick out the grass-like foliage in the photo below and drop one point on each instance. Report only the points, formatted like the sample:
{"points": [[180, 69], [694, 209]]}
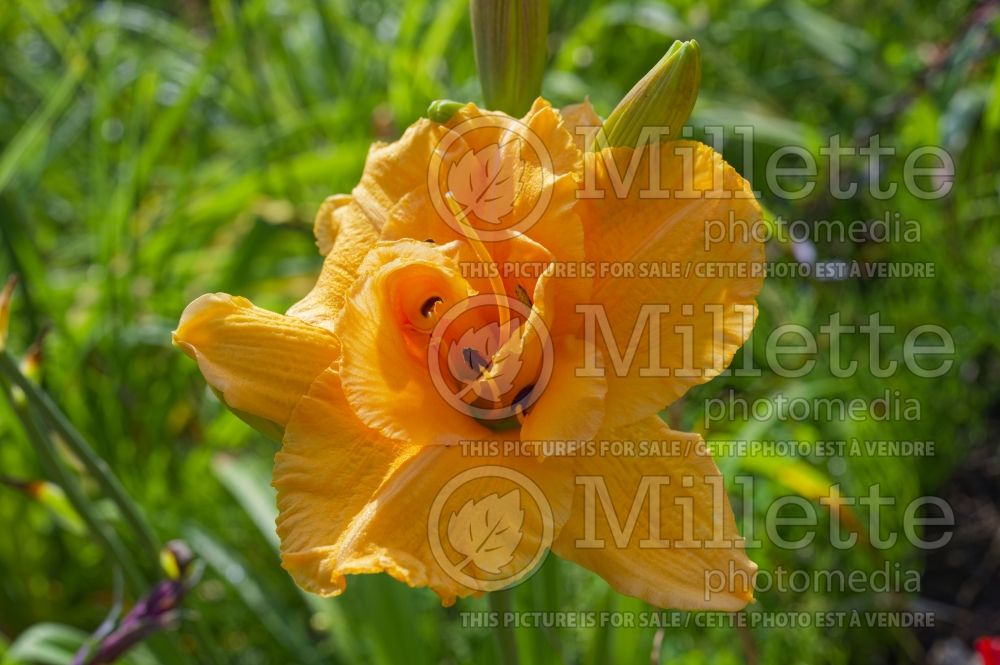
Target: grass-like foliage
{"points": [[154, 151]]}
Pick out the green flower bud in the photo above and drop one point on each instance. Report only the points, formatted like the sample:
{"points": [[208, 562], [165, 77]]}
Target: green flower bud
{"points": [[511, 45], [52, 497], [663, 98], [441, 110]]}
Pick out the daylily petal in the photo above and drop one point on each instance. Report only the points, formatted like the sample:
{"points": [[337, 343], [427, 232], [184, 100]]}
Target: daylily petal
{"points": [[344, 235], [578, 117], [261, 362], [549, 125], [393, 170], [711, 302], [696, 561], [557, 228], [571, 407], [519, 260], [547, 165], [351, 501], [385, 335]]}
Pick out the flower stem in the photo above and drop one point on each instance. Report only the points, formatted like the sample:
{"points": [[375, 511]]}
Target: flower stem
{"points": [[96, 467], [106, 538], [503, 632], [37, 406]]}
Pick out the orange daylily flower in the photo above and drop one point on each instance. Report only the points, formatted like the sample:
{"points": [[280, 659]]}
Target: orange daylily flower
{"points": [[407, 442]]}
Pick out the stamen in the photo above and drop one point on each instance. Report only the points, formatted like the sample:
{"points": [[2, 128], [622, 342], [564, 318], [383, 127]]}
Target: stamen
{"points": [[427, 309], [475, 360], [522, 295], [482, 254], [520, 413], [523, 394]]}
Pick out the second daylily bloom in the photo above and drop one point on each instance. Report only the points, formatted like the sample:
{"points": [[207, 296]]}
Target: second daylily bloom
{"points": [[385, 406]]}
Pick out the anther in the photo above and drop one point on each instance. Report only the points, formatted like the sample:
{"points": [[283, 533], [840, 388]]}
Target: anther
{"points": [[427, 309]]}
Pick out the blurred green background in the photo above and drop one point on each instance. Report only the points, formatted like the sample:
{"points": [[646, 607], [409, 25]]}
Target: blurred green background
{"points": [[151, 152]]}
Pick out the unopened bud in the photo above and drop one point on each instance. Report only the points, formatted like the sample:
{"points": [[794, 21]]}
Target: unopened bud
{"points": [[31, 364], [31, 368], [175, 559], [52, 497], [662, 99], [441, 110], [511, 38]]}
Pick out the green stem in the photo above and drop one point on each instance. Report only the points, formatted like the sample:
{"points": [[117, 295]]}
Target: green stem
{"points": [[95, 466], [107, 539], [503, 632], [27, 412]]}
